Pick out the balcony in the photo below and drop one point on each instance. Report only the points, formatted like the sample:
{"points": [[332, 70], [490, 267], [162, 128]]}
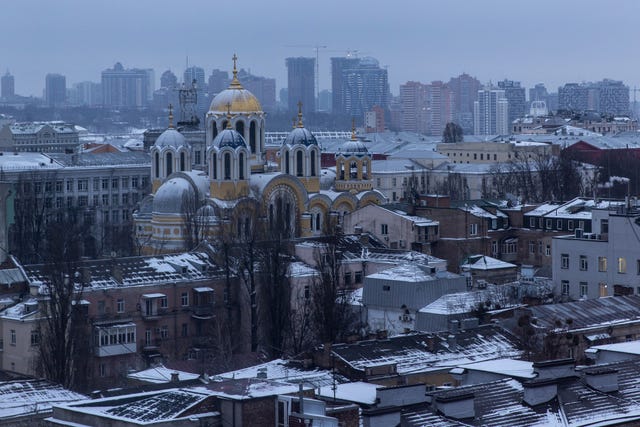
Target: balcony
{"points": [[202, 311], [116, 349]]}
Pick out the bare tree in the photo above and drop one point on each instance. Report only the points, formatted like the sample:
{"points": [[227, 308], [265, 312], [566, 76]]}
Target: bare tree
{"points": [[64, 327]]}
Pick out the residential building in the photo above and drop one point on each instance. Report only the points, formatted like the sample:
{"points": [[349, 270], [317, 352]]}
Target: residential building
{"points": [[263, 88], [55, 91], [440, 107], [338, 67], [465, 92], [491, 112], [168, 80], [494, 152], [393, 227], [125, 87], [218, 81], [374, 120], [607, 96], [486, 269], [364, 87], [87, 93], [40, 137], [599, 259], [301, 84], [414, 105], [515, 96], [7, 86]]}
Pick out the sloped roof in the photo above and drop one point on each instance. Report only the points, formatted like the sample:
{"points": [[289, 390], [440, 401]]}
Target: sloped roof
{"points": [[595, 312], [23, 397], [425, 352]]}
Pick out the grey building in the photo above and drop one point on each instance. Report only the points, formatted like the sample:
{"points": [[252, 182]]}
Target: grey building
{"points": [[465, 92], [301, 84], [125, 87], [605, 97], [52, 137], [55, 91], [338, 66], [491, 112], [364, 87], [7, 84], [515, 95]]}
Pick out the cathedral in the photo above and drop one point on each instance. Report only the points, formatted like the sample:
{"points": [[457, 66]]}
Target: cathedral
{"points": [[188, 205]]}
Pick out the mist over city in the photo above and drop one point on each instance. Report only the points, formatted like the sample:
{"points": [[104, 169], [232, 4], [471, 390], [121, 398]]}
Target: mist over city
{"points": [[337, 214]]}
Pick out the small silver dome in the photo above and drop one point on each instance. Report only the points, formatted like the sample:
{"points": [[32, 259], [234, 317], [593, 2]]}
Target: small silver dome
{"points": [[173, 196], [229, 138], [302, 136], [170, 138], [353, 147]]}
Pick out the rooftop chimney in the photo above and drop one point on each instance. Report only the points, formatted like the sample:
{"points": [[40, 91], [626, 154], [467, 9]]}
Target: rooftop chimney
{"points": [[175, 377], [601, 379], [537, 392], [456, 404]]}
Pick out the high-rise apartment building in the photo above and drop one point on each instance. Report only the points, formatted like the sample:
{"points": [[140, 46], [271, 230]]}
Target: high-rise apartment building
{"points": [[7, 84], [168, 80], [414, 103], [538, 93], [516, 97], [440, 105], [125, 87], [197, 74], [464, 89], [87, 93], [491, 112], [301, 84], [55, 90], [605, 97], [338, 66], [364, 86]]}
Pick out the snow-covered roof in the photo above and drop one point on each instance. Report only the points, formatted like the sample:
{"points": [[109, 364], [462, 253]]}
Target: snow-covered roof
{"points": [[484, 262], [22, 397], [426, 352], [508, 367], [249, 388], [357, 392], [630, 347], [283, 371], [161, 375]]}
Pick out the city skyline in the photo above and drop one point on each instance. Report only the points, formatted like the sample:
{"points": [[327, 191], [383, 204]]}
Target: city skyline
{"points": [[556, 45]]}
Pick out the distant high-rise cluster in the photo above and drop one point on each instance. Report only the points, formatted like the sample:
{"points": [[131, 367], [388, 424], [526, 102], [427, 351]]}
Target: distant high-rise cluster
{"points": [[516, 97], [465, 92], [426, 108], [606, 96]]}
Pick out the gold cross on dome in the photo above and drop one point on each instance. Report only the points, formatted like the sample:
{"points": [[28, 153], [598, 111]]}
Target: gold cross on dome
{"points": [[235, 58]]}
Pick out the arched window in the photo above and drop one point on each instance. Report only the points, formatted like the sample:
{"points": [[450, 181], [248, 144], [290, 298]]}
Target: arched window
{"points": [[214, 161], [214, 129], [313, 162], [353, 172], [365, 170], [157, 165], [286, 162], [317, 221], [299, 163], [252, 136], [182, 162], [227, 165], [169, 163], [240, 127], [241, 166]]}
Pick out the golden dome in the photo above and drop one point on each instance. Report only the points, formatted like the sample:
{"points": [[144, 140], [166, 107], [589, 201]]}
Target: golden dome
{"points": [[235, 98]]}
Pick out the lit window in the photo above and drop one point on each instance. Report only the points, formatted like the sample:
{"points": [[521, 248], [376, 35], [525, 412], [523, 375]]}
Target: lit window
{"points": [[622, 265]]}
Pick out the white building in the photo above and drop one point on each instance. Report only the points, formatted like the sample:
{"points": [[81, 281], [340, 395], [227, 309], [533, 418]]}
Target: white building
{"points": [[601, 263], [491, 112]]}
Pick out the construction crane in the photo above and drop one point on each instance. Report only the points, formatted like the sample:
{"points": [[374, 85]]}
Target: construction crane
{"points": [[317, 48]]}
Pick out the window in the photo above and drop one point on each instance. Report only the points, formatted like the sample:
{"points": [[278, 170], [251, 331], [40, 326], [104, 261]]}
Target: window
{"points": [[494, 247], [384, 229], [638, 266], [13, 337], [134, 182], [96, 184], [473, 229], [581, 225], [58, 186], [564, 261], [393, 182], [103, 370], [185, 330], [565, 287], [105, 183], [69, 185], [347, 278], [101, 307], [622, 265], [532, 222], [307, 292], [198, 157], [584, 265], [83, 185], [358, 277], [559, 224], [570, 225], [114, 183], [602, 291], [602, 263], [164, 332], [547, 251], [184, 299], [83, 201], [35, 337], [604, 225], [386, 288], [120, 305], [584, 289], [532, 247], [105, 200], [164, 303], [549, 224], [114, 200]]}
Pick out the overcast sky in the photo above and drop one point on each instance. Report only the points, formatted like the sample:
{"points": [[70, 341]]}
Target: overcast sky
{"points": [[550, 41]]}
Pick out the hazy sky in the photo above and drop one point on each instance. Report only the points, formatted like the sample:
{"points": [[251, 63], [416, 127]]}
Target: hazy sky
{"points": [[550, 41]]}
